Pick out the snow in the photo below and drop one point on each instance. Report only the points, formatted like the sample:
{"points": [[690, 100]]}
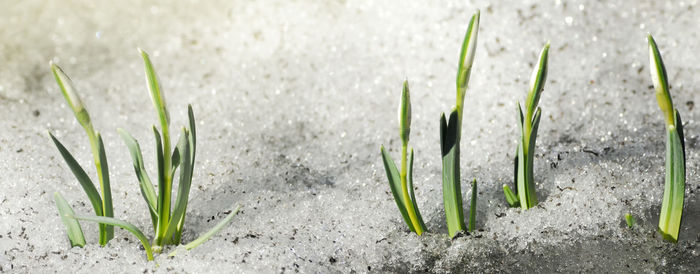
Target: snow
{"points": [[293, 100]]}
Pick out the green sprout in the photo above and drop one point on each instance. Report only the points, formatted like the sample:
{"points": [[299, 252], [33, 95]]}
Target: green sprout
{"points": [[451, 134], [167, 220], [102, 204], [524, 194], [674, 190], [629, 219], [401, 182]]}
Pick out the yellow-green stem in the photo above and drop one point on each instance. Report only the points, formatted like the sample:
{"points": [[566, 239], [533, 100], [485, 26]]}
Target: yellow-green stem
{"points": [[407, 199], [104, 235]]}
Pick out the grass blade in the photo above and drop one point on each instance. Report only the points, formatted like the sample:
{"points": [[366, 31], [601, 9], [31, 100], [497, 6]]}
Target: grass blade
{"points": [[209, 233], [163, 193], [451, 189], [392, 174], [530, 194], [145, 184], [81, 176], [75, 232], [193, 150], [193, 134], [157, 97], [472, 208], [116, 222], [412, 194], [107, 208], [183, 186], [674, 188]]}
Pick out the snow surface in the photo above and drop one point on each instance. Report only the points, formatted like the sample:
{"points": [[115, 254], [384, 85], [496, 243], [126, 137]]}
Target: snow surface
{"points": [[293, 100]]}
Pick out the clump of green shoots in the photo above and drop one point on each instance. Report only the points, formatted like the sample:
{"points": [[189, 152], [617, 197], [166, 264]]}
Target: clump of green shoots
{"points": [[525, 195], [450, 136], [674, 189], [101, 204], [168, 221], [401, 182]]}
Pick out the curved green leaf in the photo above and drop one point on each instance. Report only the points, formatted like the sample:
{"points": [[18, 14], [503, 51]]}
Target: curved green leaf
{"points": [[82, 177], [392, 174], [107, 208], [411, 193], [75, 232], [145, 184], [209, 233], [184, 184], [116, 222]]}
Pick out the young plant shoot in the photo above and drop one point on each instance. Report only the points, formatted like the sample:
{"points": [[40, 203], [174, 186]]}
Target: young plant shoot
{"points": [[674, 189], [167, 220], [101, 201], [401, 182], [524, 194], [451, 134]]}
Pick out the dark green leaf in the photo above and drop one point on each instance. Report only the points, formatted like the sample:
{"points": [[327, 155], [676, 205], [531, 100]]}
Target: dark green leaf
{"points": [[392, 174], [82, 177], [451, 188], [107, 209], [145, 184], [472, 208], [163, 212], [183, 185]]}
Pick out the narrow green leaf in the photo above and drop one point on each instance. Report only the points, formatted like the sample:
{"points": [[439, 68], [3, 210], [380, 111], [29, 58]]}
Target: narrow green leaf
{"points": [[82, 177], [521, 182], [154, 90], [209, 233], [116, 222], [193, 150], [75, 232], [531, 195], [451, 188], [183, 185], [472, 208], [409, 182], [163, 211], [193, 134], [674, 189], [145, 184], [511, 197], [392, 174], [107, 208]]}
